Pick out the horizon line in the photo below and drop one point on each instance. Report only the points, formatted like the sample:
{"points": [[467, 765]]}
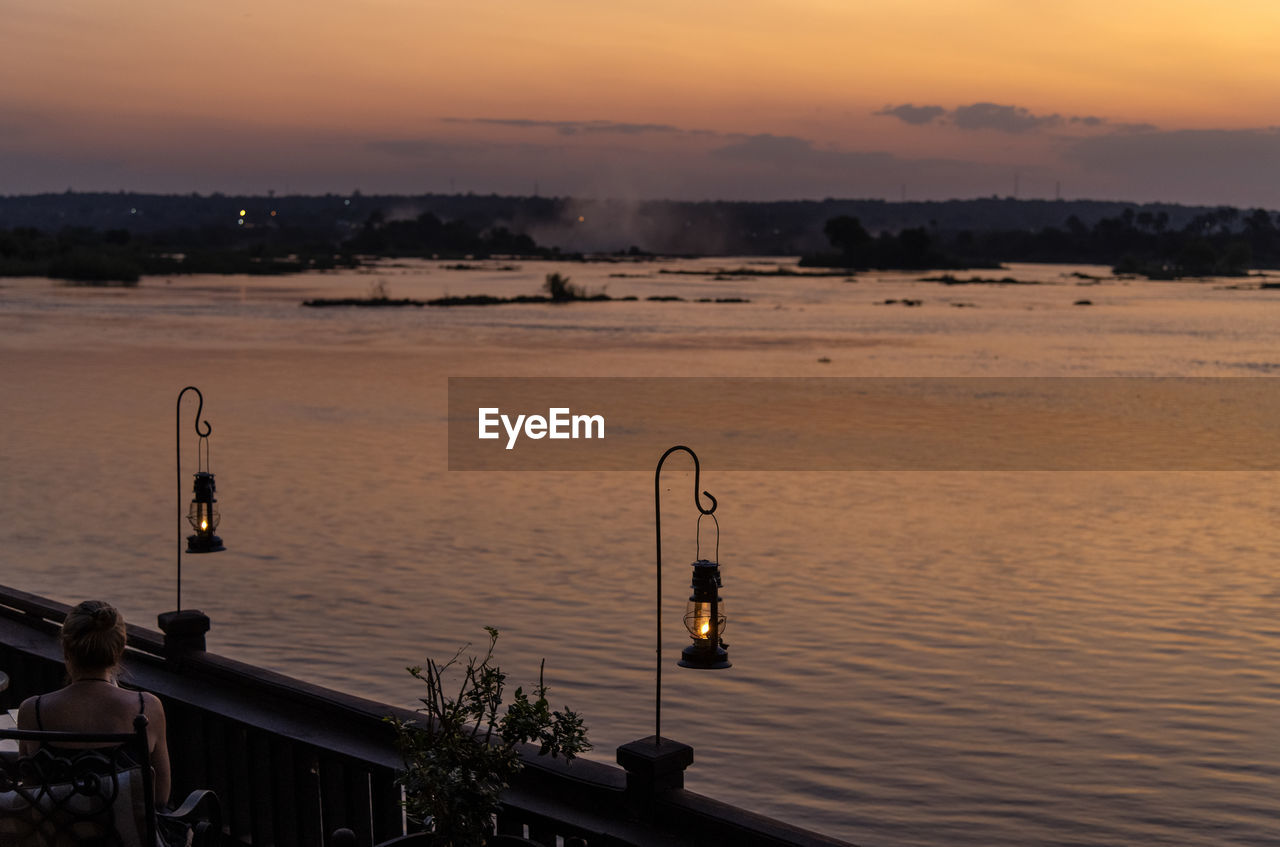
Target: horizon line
{"points": [[356, 193]]}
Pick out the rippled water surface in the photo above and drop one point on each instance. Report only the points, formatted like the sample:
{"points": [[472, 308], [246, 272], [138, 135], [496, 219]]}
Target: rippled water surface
{"points": [[920, 658]]}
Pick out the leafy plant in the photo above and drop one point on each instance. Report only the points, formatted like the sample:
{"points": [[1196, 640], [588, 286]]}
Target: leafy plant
{"points": [[561, 290], [457, 765]]}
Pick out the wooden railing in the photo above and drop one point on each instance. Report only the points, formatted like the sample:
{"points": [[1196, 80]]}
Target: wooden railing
{"points": [[293, 762]]}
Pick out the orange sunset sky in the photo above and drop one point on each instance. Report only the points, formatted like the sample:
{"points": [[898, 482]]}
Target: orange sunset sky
{"points": [[700, 99]]}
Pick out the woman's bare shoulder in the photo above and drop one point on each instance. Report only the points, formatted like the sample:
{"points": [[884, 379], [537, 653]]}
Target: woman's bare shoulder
{"points": [[27, 713], [154, 707]]}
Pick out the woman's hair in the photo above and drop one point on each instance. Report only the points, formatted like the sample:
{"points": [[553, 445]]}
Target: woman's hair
{"points": [[93, 636]]}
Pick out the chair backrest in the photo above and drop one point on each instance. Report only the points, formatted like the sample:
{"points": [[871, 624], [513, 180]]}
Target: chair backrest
{"points": [[67, 793]]}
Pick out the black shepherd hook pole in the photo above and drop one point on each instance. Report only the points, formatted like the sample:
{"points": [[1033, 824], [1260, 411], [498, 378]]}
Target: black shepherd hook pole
{"points": [[657, 522], [177, 434]]}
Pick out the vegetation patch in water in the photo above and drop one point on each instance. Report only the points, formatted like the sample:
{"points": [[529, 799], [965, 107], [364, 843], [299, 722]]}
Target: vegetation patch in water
{"points": [[951, 279]]}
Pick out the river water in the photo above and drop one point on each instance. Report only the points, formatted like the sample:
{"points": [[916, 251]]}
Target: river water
{"points": [[920, 658]]}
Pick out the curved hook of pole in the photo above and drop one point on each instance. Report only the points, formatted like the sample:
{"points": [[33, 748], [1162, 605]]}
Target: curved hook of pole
{"points": [[697, 477], [207, 429]]}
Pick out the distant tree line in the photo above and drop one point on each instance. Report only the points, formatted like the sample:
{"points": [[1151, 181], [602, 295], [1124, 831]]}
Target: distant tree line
{"points": [[88, 255], [913, 248], [331, 231], [667, 227], [92, 256], [1218, 242], [429, 237]]}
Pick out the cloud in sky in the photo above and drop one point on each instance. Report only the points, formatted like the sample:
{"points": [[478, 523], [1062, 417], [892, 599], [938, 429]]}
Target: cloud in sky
{"points": [[575, 127], [790, 151], [1119, 162], [1231, 164], [418, 148], [825, 172], [1129, 127], [329, 96], [1092, 157], [1095, 122], [727, 166], [1000, 117], [907, 113]]}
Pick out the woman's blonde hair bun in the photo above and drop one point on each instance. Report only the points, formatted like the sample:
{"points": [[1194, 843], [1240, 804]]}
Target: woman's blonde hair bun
{"points": [[93, 636]]}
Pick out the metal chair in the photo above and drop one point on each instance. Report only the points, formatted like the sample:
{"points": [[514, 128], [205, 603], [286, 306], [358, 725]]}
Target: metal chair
{"points": [[67, 793]]}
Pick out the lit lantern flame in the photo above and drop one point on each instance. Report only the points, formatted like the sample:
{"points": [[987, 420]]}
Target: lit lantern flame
{"points": [[698, 619]]}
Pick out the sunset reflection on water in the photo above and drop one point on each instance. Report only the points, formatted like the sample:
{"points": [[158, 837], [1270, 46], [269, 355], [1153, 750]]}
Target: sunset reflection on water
{"points": [[919, 657]]}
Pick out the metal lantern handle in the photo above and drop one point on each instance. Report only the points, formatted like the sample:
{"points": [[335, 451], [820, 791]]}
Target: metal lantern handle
{"points": [[697, 541]]}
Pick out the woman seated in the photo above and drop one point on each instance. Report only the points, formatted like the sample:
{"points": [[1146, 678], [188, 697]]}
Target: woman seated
{"points": [[93, 639]]}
